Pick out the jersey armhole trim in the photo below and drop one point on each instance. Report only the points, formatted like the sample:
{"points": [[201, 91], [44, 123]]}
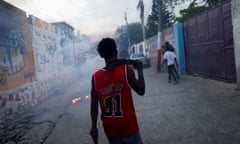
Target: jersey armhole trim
{"points": [[126, 76]]}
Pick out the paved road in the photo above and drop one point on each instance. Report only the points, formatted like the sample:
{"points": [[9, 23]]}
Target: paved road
{"points": [[196, 111]]}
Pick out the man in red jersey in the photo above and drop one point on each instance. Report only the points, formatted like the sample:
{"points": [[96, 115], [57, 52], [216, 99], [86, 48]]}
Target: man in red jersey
{"points": [[111, 88]]}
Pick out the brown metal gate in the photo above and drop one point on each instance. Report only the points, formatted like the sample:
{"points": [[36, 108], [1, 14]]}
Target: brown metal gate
{"points": [[209, 44]]}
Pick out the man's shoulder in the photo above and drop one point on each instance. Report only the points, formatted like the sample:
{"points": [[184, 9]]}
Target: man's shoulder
{"points": [[98, 71], [167, 53], [171, 53]]}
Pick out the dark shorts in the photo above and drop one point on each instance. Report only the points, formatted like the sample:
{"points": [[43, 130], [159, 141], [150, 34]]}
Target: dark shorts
{"points": [[130, 139]]}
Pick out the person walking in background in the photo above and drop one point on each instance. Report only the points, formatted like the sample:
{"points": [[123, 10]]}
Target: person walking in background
{"points": [[169, 58], [169, 47], [111, 88]]}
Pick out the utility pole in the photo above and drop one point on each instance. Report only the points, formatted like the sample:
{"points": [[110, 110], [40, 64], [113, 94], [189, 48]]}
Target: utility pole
{"points": [[160, 34], [129, 44], [141, 7]]}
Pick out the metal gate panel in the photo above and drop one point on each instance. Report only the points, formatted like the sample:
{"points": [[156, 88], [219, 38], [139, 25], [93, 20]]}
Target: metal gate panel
{"points": [[190, 32], [215, 25], [202, 28], [209, 43], [228, 42], [216, 56], [216, 62], [202, 43]]}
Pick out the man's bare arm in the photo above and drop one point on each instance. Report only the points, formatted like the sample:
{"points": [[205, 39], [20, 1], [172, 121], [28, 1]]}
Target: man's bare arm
{"points": [[138, 84], [94, 113]]}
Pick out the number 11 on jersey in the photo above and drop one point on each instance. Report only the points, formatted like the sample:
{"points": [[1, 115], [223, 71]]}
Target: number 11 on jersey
{"points": [[113, 106]]}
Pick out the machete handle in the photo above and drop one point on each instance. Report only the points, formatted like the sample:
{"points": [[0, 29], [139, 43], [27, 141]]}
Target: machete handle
{"points": [[118, 62]]}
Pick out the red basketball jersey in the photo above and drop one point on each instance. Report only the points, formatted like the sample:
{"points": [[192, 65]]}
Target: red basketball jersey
{"points": [[115, 98]]}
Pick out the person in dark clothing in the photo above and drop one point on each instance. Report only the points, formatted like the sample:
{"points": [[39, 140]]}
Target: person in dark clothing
{"points": [[169, 47], [111, 89], [169, 58]]}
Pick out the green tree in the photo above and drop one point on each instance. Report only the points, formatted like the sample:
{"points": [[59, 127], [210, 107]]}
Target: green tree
{"points": [[168, 17], [192, 9], [197, 6], [121, 35], [121, 38], [212, 3], [135, 33]]}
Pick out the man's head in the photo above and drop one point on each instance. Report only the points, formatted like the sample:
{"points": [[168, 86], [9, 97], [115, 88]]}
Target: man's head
{"points": [[107, 48], [169, 47]]}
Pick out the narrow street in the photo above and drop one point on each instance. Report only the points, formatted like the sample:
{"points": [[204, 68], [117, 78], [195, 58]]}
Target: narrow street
{"points": [[196, 111], [50, 49], [36, 125]]}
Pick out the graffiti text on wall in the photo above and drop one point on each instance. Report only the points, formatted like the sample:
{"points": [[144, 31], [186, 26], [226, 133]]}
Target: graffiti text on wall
{"points": [[29, 75], [3, 79], [12, 50], [169, 36], [44, 43], [65, 45]]}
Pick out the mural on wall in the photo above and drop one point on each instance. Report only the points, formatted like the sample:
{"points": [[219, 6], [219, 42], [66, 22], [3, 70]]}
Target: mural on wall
{"points": [[12, 51], [19, 51], [16, 55], [64, 33], [52, 52], [41, 24], [152, 46], [169, 36], [66, 47]]}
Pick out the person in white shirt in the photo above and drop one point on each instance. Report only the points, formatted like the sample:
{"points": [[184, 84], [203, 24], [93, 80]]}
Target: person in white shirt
{"points": [[169, 58]]}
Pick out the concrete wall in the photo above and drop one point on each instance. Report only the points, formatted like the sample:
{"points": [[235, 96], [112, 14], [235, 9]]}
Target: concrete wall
{"points": [[153, 53], [20, 99], [34, 61], [53, 53], [169, 36], [236, 36], [174, 35], [16, 53]]}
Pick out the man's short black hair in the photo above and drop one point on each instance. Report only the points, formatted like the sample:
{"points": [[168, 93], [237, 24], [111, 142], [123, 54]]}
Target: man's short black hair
{"points": [[107, 48], [169, 47]]}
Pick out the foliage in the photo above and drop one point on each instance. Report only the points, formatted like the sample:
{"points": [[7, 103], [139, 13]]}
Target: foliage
{"points": [[212, 3], [168, 17], [192, 9], [135, 32], [197, 6], [121, 35]]}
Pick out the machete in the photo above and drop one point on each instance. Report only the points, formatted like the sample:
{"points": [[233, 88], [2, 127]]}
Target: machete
{"points": [[118, 62]]}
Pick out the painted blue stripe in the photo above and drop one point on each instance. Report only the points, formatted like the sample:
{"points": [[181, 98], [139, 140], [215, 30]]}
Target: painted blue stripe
{"points": [[180, 49]]}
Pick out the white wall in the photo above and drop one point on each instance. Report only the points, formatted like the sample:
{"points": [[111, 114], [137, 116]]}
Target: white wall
{"points": [[53, 53]]}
